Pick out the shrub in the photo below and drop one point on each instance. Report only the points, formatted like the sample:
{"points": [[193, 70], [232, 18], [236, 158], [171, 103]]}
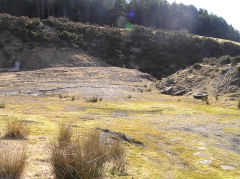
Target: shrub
{"points": [[224, 60], [73, 98], [148, 90], [197, 66], [13, 162], [2, 105], [238, 104], [236, 60], [117, 154], [17, 130], [207, 102], [92, 100], [79, 159], [129, 96], [65, 133]]}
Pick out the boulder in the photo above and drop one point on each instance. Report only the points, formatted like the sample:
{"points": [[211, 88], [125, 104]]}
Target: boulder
{"points": [[180, 93], [169, 91]]}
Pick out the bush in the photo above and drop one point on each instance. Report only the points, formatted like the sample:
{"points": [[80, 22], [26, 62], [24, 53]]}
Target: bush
{"points": [[79, 159], [85, 157], [12, 162], [65, 133], [239, 104], [117, 154], [17, 130], [236, 60], [224, 60], [2, 105], [92, 100]]}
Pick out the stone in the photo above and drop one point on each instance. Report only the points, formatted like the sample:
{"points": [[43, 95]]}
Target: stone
{"points": [[206, 161], [227, 167], [169, 91], [197, 153], [202, 148], [201, 143], [180, 93]]}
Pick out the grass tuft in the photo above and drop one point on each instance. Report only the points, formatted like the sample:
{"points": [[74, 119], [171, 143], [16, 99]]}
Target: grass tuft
{"points": [[92, 100], [79, 158], [2, 105], [73, 98], [117, 155], [12, 162], [129, 96], [17, 130], [65, 133]]}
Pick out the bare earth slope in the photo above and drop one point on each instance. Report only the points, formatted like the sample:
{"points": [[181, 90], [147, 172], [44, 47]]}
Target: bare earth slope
{"points": [[214, 76], [104, 82]]}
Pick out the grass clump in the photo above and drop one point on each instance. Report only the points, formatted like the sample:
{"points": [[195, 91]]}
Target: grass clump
{"points": [[92, 100], [117, 154], [17, 130], [129, 96], [84, 157], [12, 162], [79, 159], [2, 105], [65, 133]]}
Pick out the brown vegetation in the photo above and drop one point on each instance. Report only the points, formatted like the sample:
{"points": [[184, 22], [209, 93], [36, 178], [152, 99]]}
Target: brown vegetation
{"points": [[12, 162], [17, 129], [121, 47], [92, 100], [86, 157], [2, 105]]}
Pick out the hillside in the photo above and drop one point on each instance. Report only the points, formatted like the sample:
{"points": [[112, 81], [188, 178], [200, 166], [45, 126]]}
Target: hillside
{"points": [[158, 14], [217, 77], [157, 52], [89, 93]]}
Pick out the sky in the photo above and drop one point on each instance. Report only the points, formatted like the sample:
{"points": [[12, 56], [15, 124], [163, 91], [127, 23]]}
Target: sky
{"points": [[228, 9]]}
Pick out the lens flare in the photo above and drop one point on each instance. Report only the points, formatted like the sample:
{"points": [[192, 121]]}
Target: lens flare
{"points": [[129, 26], [131, 14]]}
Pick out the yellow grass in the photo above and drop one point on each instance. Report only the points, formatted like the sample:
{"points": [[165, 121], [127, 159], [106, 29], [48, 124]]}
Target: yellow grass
{"points": [[160, 122]]}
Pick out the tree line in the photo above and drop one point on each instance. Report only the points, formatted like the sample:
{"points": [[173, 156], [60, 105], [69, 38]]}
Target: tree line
{"points": [[157, 14]]}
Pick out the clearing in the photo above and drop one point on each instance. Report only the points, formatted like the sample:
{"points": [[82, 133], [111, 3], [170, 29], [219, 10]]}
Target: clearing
{"points": [[180, 137]]}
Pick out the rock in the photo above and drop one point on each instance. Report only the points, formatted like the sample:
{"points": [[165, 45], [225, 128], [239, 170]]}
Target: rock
{"points": [[180, 93], [227, 167], [190, 93], [169, 91], [197, 66], [202, 148], [201, 143], [197, 153], [206, 161]]}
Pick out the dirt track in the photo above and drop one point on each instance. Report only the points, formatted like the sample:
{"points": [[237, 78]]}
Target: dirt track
{"points": [[94, 81]]}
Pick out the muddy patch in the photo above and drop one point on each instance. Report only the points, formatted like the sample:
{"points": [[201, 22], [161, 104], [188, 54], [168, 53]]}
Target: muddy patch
{"points": [[122, 136]]}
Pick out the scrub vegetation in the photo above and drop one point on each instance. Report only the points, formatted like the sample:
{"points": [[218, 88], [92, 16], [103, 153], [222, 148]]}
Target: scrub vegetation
{"points": [[155, 51]]}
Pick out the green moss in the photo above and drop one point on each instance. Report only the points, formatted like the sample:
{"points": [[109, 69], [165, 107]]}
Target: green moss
{"points": [[168, 150]]}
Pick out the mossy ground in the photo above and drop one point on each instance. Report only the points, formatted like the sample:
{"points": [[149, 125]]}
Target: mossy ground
{"points": [[178, 133]]}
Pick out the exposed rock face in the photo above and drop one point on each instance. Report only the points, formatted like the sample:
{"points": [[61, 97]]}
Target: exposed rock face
{"points": [[213, 77]]}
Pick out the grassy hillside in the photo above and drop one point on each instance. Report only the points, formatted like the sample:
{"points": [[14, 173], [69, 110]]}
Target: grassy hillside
{"points": [[157, 52]]}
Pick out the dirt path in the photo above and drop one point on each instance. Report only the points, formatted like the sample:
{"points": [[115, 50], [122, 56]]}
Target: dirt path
{"points": [[107, 82]]}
